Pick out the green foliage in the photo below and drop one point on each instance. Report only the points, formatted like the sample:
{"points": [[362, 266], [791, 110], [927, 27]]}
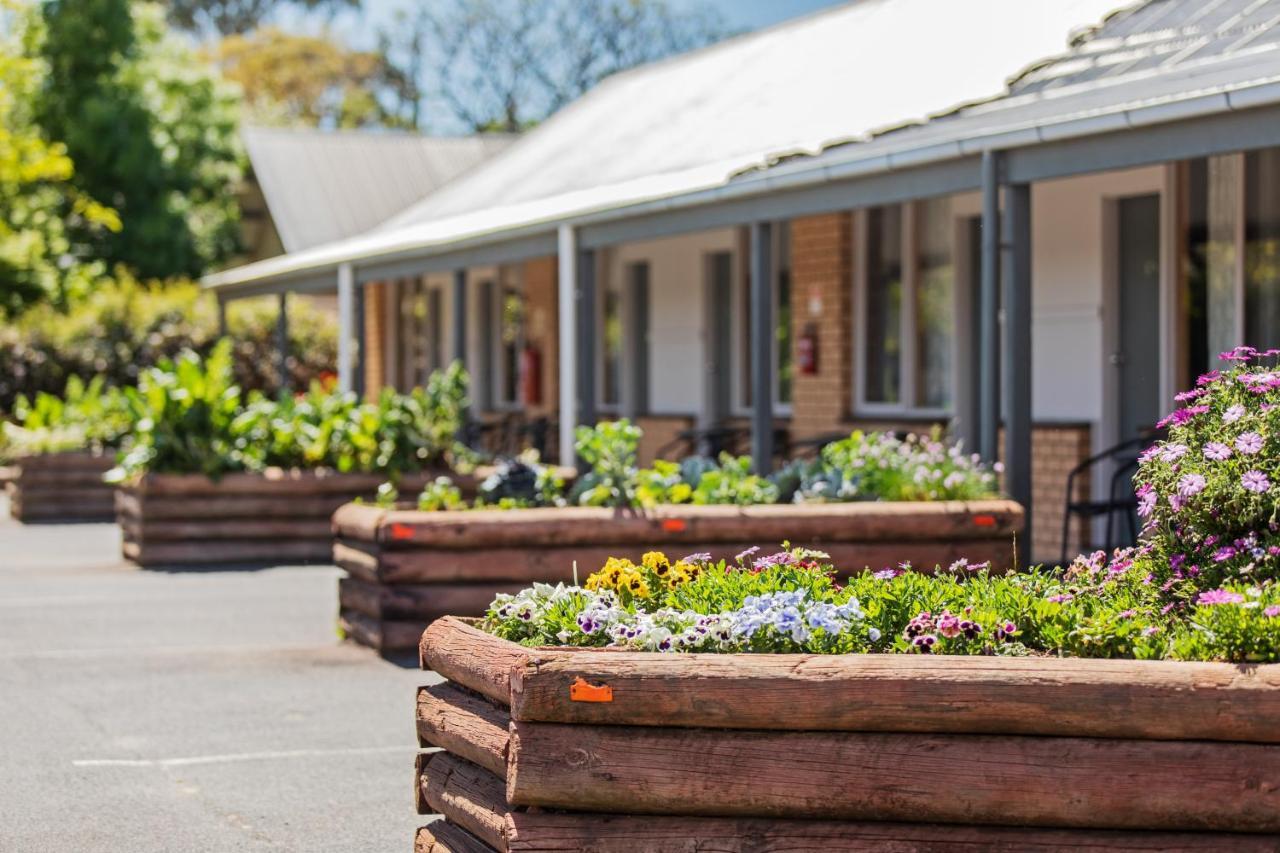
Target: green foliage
{"points": [[880, 466], [183, 411], [237, 16], [610, 449], [151, 132], [123, 327], [440, 494], [733, 483], [190, 417], [84, 417], [789, 602], [40, 208]]}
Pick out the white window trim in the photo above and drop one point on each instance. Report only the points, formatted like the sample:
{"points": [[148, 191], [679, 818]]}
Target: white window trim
{"points": [[741, 272], [907, 329]]}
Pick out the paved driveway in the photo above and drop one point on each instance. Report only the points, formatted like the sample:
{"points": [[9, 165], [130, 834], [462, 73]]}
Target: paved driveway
{"points": [[190, 711]]}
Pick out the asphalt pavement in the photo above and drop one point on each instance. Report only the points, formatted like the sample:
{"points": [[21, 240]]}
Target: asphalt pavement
{"points": [[196, 710]]}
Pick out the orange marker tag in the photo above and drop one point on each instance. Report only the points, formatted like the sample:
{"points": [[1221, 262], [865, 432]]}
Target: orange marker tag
{"points": [[401, 531], [581, 691], [984, 520], [673, 525]]}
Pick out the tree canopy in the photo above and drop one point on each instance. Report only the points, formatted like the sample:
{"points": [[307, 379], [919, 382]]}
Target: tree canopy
{"points": [[237, 17], [151, 131], [39, 258], [504, 65], [290, 79]]}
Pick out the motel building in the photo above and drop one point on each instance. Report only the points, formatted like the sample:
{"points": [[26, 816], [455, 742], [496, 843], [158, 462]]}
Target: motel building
{"points": [[1029, 221]]}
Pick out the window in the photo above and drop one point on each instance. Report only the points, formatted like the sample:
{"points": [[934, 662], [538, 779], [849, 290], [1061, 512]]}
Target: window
{"points": [[783, 326], [621, 340], [907, 308], [510, 312], [1230, 271], [422, 344], [611, 344]]}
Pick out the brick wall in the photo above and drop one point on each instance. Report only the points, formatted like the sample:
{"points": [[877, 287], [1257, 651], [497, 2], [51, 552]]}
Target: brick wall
{"points": [[540, 277], [659, 431], [375, 323], [1055, 450], [821, 297]]}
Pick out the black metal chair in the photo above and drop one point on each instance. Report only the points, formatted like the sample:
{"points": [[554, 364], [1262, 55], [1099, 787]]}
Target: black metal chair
{"points": [[1120, 499]]}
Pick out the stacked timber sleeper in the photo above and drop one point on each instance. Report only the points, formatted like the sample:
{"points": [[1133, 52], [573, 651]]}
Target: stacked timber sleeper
{"points": [[272, 517], [408, 568], [558, 749], [60, 487]]}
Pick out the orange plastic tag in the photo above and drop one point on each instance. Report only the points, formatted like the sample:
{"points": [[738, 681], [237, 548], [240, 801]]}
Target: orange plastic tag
{"points": [[673, 525], [581, 691], [401, 531], [984, 520]]}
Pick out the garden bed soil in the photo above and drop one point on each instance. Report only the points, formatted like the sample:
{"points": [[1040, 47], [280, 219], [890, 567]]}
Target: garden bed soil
{"points": [[557, 749], [61, 487], [408, 568], [273, 517]]}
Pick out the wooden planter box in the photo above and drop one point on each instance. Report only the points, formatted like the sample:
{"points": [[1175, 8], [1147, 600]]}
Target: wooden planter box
{"points": [[407, 568], [273, 517], [61, 487], [562, 749]]}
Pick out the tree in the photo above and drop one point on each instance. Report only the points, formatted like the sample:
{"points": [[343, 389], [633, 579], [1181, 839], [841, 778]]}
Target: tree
{"points": [[508, 64], [39, 261], [237, 17], [292, 79], [151, 131]]}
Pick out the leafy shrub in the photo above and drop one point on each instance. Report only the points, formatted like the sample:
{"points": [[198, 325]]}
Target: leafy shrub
{"points": [[122, 328], [84, 417], [190, 417], [609, 448]]}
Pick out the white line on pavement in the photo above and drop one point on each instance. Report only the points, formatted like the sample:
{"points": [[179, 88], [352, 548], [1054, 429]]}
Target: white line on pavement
{"points": [[237, 756]]}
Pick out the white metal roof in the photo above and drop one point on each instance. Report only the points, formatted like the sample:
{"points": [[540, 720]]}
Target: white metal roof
{"points": [[690, 123], [321, 186]]}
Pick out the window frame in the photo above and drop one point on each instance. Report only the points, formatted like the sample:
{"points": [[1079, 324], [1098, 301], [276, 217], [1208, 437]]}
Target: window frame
{"points": [[908, 391], [498, 370]]}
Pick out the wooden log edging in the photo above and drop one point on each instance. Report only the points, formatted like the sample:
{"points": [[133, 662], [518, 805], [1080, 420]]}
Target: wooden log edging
{"points": [[683, 524], [276, 516], [474, 800], [61, 487], [1148, 700]]}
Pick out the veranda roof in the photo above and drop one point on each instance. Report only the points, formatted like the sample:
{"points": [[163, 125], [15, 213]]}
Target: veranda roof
{"points": [[687, 126]]}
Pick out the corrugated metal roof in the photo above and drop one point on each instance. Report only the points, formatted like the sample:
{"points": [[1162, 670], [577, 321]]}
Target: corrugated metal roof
{"points": [[689, 124], [321, 186], [1159, 52]]}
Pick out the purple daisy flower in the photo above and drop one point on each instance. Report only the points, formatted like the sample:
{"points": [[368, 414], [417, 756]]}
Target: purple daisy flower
{"points": [[1173, 452], [1272, 612], [1249, 443], [1217, 451], [1233, 414], [1255, 481], [1219, 596], [1146, 500], [1191, 485], [747, 553]]}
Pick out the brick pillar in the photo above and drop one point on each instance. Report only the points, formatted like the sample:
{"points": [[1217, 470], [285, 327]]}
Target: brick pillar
{"points": [[1055, 450], [375, 322], [821, 301], [542, 328]]}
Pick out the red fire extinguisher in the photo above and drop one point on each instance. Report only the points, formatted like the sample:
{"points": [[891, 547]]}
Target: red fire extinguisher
{"points": [[530, 376], [807, 350]]}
